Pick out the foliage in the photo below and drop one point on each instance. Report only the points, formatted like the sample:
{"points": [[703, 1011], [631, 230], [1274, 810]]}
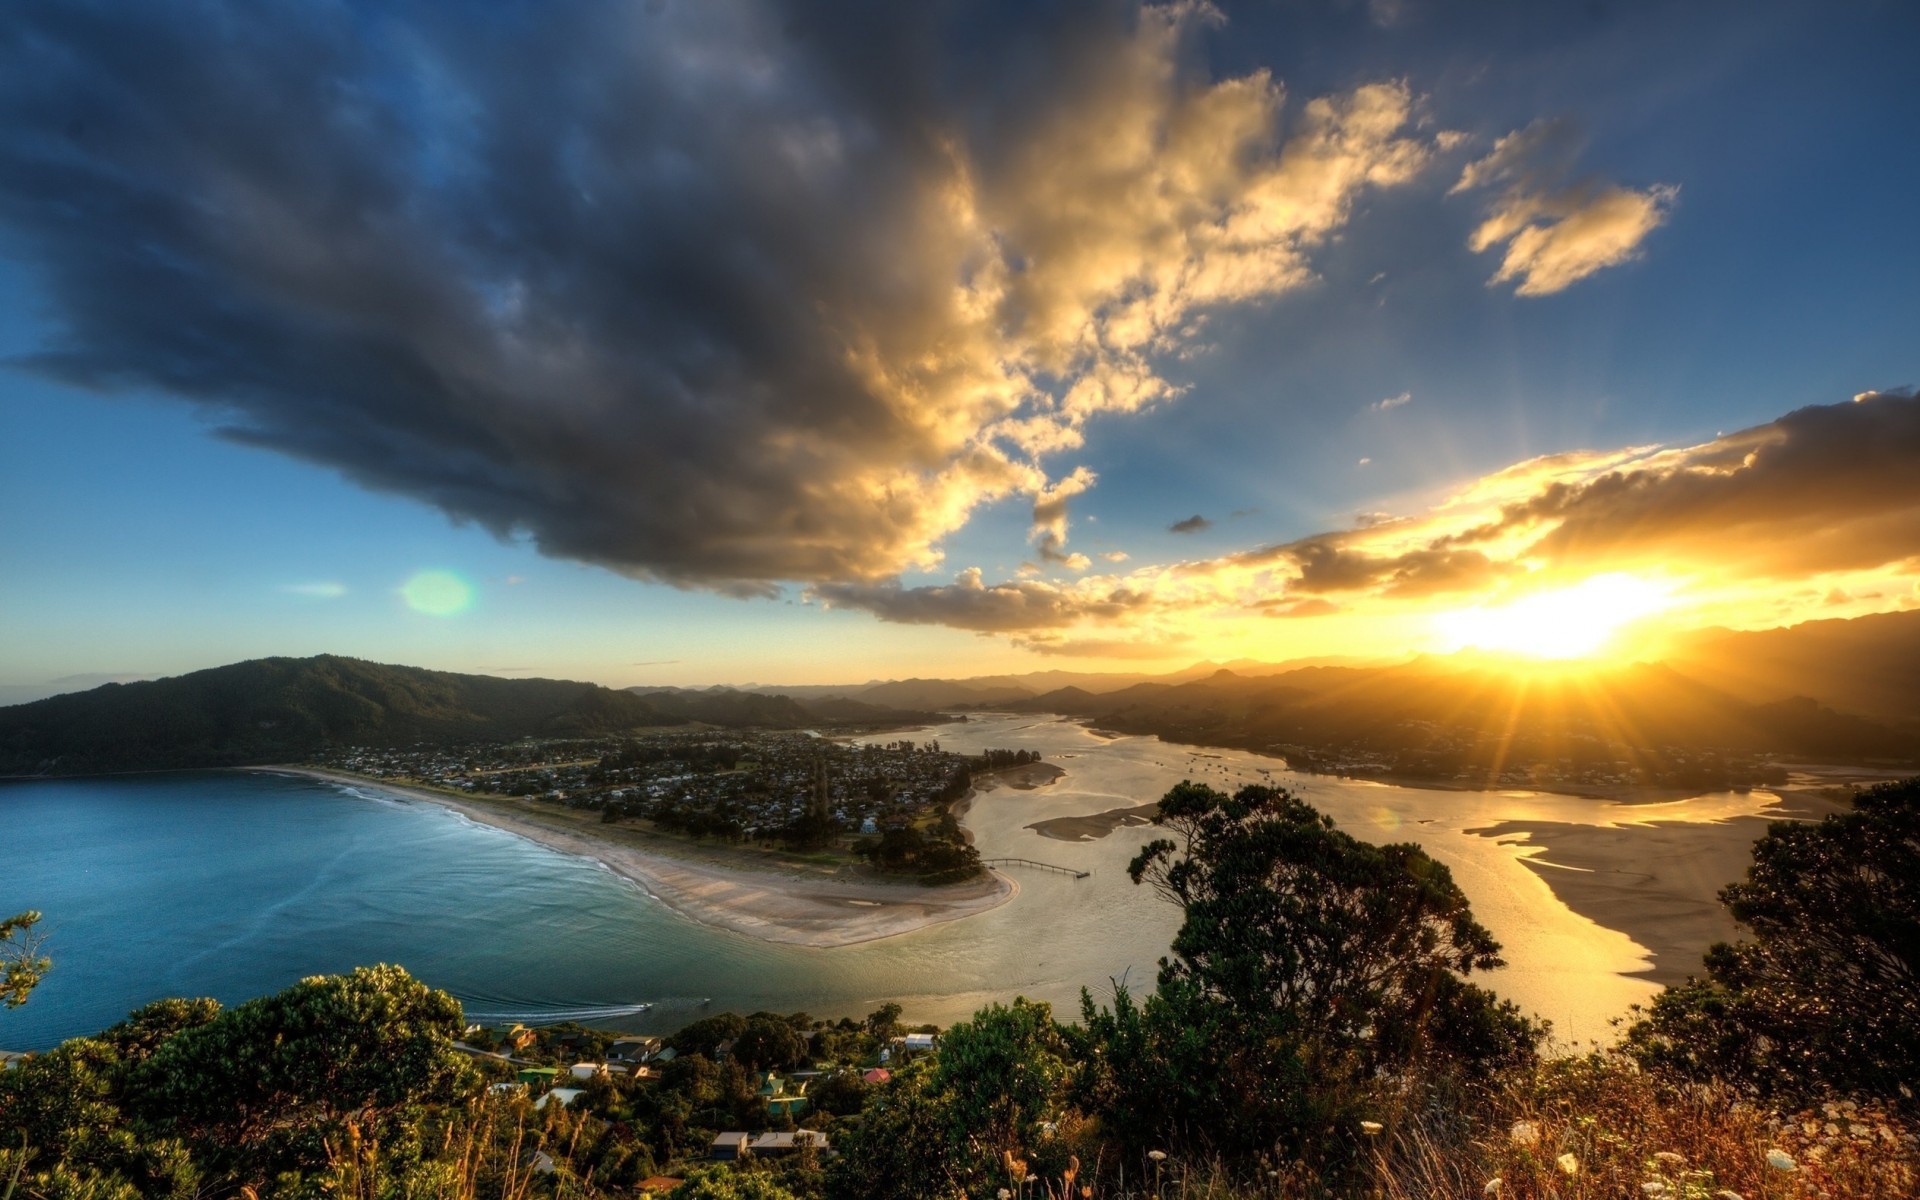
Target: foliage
{"points": [[1825, 995], [993, 1094], [941, 856], [21, 963], [720, 1183], [1309, 967], [287, 1069]]}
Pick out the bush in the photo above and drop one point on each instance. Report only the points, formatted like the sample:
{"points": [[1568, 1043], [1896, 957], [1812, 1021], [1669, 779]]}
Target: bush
{"points": [[1825, 996]]}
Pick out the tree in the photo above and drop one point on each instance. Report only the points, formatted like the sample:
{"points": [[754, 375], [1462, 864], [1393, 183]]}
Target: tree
{"points": [[327, 1050], [945, 1127], [1825, 995], [884, 1022], [770, 1044], [21, 964], [722, 1183], [1309, 967], [1005, 1072]]}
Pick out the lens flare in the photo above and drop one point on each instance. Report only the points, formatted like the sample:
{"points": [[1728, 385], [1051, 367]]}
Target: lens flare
{"points": [[437, 593]]}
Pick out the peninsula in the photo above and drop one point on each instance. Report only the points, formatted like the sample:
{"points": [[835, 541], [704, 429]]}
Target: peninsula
{"points": [[770, 895]]}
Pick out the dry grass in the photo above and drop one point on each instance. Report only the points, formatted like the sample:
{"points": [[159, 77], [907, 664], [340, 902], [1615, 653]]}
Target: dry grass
{"points": [[1592, 1128]]}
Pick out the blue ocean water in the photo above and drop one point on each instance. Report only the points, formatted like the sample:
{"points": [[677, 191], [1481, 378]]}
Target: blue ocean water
{"points": [[235, 884]]}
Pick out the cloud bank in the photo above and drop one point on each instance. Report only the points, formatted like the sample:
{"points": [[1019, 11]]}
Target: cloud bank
{"points": [[719, 294], [1823, 492]]}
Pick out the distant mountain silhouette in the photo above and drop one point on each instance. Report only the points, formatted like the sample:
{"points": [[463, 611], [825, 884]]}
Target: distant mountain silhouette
{"points": [[275, 709], [1868, 665], [282, 709]]}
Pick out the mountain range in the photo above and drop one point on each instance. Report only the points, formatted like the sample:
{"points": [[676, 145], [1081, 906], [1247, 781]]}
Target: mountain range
{"points": [[282, 709]]}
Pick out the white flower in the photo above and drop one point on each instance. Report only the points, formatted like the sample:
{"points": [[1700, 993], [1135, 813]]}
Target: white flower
{"points": [[1005, 1194], [1371, 1127], [1653, 1187], [1524, 1133], [1492, 1188], [1780, 1160], [1157, 1155], [1568, 1164], [1728, 1194]]}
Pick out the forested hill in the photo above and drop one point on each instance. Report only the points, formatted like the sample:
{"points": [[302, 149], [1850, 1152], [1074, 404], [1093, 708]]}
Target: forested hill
{"points": [[276, 709]]}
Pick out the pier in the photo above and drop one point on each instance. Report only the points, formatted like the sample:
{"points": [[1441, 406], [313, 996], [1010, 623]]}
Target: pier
{"points": [[1027, 862]]}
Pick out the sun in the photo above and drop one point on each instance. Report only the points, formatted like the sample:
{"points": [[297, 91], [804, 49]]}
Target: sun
{"points": [[1566, 623]]}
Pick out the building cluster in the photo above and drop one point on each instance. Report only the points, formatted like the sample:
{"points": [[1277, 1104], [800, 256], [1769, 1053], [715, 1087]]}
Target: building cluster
{"points": [[732, 785]]}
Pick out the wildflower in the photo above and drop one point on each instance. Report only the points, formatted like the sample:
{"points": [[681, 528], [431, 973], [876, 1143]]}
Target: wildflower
{"points": [[1157, 1155], [1653, 1187], [1524, 1133], [1568, 1164], [1492, 1188], [1780, 1160], [1371, 1127], [1005, 1194]]}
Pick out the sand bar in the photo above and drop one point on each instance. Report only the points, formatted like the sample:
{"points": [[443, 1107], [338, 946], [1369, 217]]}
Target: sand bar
{"points": [[1657, 881], [777, 902]]}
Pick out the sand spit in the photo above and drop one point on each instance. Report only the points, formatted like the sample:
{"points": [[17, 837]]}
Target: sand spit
{"points": [[1095, 826], [788, 906]]}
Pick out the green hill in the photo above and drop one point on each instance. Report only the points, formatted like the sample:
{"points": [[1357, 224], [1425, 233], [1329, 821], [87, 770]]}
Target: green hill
{"points": [[276, 709]]}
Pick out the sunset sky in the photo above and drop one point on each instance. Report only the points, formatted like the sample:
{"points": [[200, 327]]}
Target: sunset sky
{"points": [[669, 342]]}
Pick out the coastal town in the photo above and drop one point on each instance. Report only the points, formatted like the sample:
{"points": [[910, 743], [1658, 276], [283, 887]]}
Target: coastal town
{"points": [[885, 799]]}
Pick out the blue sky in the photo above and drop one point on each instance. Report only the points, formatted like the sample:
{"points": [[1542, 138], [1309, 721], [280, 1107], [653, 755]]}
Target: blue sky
{"points": [[135, 539]]}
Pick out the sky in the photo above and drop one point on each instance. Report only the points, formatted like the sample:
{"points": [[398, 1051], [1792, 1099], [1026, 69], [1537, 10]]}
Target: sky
{"points": [[737, 342]]}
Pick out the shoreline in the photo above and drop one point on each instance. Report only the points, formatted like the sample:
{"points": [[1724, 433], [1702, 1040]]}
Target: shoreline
{"points": [[785, 905]]}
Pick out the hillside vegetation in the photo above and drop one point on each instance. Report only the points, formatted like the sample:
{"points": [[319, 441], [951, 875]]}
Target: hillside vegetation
{"points": [[283, 709], [1313, 1035]]}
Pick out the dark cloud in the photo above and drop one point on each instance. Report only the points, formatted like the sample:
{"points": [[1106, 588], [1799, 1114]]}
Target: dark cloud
{"points": [[1192, 524], [1824, 488], [718, 293], [969, 603]]}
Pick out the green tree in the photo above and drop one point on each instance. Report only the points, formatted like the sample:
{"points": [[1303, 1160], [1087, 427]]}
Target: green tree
{"points": [[769, 1045], [884, 1022], [327, 1050], [1825, 994], [945, 1127], [21, 964], [723, 1183], [1310, 966], [901, 1145], [1005, 1072]]}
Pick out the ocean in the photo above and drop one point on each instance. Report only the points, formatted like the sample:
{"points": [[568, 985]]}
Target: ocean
{"points": [[235, 884]]}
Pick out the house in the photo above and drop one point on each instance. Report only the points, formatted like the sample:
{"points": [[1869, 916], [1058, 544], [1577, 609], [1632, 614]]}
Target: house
{"points": [[535, 1076], [562, 1096], [728, 1146], [666, 1056], [783, 1099], [878, 1075], [773, 1145], [633, 1049], [918, 1042], [587, 1070], [721, 1051]]}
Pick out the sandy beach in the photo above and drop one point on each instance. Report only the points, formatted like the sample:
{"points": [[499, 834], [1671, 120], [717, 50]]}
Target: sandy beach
{"points": [[1657, 881], [783, 903]]}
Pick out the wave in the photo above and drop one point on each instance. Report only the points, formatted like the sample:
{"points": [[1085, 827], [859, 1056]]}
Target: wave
{"points": [[555, 1016]]}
